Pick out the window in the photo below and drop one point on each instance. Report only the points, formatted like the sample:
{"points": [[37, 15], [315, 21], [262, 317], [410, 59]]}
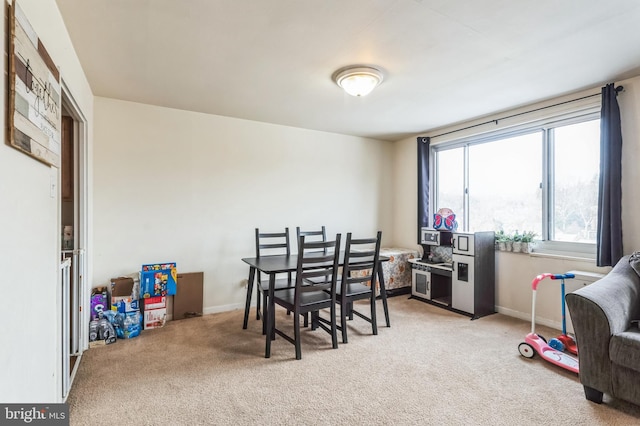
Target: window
{"points": [[541, 178], [450, 181], [576, 157], [504, 188]]}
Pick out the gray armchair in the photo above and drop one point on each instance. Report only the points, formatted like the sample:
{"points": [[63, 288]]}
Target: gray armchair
{"points": [[608, 340]]}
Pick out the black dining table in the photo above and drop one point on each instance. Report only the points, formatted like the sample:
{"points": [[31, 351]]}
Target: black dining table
{"points": [[276, 264]]}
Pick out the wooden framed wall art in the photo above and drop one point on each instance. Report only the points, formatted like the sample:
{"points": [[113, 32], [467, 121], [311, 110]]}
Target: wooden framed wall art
{"points": [[34, 113]]}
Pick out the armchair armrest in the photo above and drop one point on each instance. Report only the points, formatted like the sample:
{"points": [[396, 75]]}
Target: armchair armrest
{"points": [[598, 311]]}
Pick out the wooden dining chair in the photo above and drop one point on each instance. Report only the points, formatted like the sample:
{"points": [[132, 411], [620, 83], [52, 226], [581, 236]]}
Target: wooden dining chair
{"points": [[314, 235], [269, 243], [361, 263], [315, 289]]}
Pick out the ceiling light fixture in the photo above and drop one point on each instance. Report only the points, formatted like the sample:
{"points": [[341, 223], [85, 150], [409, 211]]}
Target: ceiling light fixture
{"points": [[358, 80]]}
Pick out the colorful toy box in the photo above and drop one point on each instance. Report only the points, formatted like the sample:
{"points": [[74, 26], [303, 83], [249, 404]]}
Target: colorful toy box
{"points": [[158, 279]]}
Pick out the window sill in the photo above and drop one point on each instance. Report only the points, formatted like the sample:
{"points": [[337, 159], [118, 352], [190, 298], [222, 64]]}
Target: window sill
{"points": [[576, 257]]}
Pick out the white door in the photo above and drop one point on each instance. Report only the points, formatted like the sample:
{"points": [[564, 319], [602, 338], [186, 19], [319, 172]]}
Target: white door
{"points": [[462, 284]]}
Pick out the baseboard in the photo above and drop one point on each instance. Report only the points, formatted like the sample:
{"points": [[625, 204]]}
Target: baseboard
{"points": [[527, 317], [222, 308], [398, 291]]}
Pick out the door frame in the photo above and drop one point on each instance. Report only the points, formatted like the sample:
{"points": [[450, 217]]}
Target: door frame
{"points": [[81, 233]]}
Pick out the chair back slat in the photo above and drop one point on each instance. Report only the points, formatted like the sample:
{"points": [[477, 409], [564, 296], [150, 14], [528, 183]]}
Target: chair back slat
{"points": [[354, 260], [359, 279], [360, 266], [319, 235], [359, 254], [273, 246], [317, 270], [273, 242]]}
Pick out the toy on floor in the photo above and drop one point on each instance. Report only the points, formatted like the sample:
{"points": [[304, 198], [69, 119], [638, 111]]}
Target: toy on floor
{"points": [[534, 343], [564, 342]]}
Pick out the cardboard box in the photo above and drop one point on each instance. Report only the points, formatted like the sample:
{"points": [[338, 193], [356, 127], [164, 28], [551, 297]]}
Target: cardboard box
{"points": [[125, 304], [97, 344], [154, 312], [99, 301], [187, 303], [122, 286], [155, 318], [157, 302], [158, 279]]}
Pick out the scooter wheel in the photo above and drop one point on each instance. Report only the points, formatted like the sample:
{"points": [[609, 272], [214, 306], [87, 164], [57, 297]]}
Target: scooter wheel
{"points": [[526, 350], [556, 344]]}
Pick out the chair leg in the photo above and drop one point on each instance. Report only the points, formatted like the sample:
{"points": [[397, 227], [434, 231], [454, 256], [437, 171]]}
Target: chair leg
{"points": [[264, 311], [306, 319], [258, 304], [350, 310], [247, 306], [334, 328], [383, 296], [343, 321], [374, 319], [296, 335]]}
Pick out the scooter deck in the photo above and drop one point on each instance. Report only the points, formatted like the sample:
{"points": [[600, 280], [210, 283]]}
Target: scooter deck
{"points": [[559, 358]]}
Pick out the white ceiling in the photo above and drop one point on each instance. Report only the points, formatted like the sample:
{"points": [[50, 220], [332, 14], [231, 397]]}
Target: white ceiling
{"points": [[444, 61]]}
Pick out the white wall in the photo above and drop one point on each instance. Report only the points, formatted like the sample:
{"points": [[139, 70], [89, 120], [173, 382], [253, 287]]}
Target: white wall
{"points": [[514, 271], [30, 357], [173, 185]]}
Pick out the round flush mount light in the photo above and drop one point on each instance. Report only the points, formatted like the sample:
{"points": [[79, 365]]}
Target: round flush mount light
{"points": [[358, 80]]}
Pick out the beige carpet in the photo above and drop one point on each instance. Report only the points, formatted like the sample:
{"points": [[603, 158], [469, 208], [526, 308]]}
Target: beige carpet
{"points": [[431, 367]]}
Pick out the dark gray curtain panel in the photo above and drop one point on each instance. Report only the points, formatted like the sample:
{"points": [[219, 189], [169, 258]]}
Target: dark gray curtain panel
{"points": [[609, 244], [423, 183]]}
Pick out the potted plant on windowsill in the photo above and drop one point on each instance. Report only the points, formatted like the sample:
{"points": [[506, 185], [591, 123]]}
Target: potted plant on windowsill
{"points": [[527, 241], [500, 238], [508, 242], [516, 245]]}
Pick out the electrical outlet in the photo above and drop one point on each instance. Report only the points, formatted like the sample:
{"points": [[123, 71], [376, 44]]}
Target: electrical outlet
{"points": [[244, 283]]}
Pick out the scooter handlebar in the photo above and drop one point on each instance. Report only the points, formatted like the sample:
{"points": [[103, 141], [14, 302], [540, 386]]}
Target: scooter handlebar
{"points": [[536, 280], [562, 276]]}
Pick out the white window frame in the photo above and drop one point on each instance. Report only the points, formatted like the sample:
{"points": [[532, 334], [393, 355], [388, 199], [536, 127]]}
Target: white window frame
{"points": [[563, 118]]}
